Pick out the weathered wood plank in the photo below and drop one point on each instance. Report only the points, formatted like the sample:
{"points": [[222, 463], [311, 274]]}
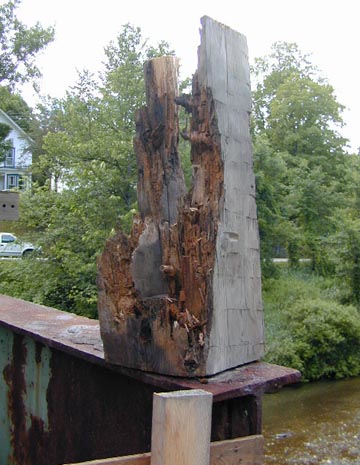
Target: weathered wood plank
{"points": [[138, 459], [239, 451], [236, 335]]}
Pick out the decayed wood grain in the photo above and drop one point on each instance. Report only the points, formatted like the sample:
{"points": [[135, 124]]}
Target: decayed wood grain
{"points": [[239, 451], [182, 294], [155, 286]]}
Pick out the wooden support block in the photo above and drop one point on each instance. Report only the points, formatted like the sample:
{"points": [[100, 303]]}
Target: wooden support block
{"points": [[181, 428], [239, 451]]}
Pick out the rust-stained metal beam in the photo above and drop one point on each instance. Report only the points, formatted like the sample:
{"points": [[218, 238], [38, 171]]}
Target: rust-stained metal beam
{"points": [[62, 402], [80, 336]]}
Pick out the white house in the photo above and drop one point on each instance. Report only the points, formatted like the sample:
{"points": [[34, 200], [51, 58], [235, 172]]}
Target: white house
{"points": [[15, 168]]}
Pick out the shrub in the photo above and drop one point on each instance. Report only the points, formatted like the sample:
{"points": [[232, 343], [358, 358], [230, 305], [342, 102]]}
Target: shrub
{"points": [[48, 283], [308, 331]]}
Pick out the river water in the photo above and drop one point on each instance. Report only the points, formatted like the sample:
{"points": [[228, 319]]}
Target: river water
{"points": [[314, 424]]}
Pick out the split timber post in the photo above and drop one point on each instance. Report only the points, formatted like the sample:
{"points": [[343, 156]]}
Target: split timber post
{"points": [[181, 425], [182, 294]]}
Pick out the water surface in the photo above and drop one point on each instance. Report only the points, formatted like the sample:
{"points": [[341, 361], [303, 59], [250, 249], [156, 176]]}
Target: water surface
{"points": [[317, 423]]}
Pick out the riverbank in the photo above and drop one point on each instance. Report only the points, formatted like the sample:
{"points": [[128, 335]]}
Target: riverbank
{"points": [[314, 424]]}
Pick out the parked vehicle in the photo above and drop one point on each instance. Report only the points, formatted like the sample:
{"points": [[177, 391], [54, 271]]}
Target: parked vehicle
{"points": [[10, 246]]}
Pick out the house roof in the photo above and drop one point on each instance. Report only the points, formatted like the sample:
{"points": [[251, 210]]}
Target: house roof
{"points": [[14, 125]]}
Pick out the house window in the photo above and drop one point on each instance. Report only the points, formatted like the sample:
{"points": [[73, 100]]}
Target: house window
{"points": [[10, 158], [12, 181]]}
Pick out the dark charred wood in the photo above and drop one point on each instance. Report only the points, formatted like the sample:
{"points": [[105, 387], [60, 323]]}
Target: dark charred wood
{"points": [[185, 101]]}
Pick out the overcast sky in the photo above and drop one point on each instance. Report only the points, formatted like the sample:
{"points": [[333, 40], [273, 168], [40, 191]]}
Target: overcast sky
{"points": [[327, 29]]}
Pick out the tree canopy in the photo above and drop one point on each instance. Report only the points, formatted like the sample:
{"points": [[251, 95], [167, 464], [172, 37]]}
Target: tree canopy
{"points": [[86, 169], [307, 189], [13, 104], [297, 116], [19, 46]]}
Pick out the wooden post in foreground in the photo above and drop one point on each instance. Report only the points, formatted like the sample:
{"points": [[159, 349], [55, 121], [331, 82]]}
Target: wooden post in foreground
{"points": [[181, 428]]}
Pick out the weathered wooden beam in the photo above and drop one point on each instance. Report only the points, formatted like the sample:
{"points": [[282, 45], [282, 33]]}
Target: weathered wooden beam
{"points": [[182, 294], [239, 451]]}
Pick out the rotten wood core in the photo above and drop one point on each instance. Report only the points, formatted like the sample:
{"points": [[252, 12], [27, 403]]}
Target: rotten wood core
{"points": [[160, 277]]}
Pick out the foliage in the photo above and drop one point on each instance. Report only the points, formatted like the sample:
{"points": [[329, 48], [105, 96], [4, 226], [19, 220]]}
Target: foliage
{"points": [[270, 174], [308, 203], [308, 330], [184, 146], [50, 284], [297, 116], [343, 253], [15, 106], [341, 249], [19, 46], [308, 198], [18, 110], [4, 144], [86, 171]]}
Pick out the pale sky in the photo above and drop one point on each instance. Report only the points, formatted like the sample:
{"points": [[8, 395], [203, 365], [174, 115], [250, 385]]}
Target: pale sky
{"points": [[326, 29]]}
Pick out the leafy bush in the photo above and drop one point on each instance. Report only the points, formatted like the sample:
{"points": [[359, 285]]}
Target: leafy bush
{"points": [[48, 282], [309, 331]]}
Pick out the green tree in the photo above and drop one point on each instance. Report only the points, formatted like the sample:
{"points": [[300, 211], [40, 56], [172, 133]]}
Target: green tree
{"points": [[302, 118], [20, 46], [295, 106], [15, 106], [297, 111], [271, 71], [271, 172], [342, 248], [87, 152], [4, 144]]}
